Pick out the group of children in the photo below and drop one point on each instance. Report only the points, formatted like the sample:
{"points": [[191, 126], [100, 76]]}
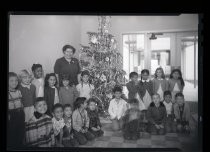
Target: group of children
{"points": [[40, 114], [156, 106]]}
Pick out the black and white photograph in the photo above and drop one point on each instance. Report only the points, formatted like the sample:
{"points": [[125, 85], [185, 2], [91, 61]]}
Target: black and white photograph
{"points": [[103, 81]]}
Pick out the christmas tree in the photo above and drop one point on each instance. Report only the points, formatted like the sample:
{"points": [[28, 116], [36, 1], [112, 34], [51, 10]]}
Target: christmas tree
{"points": [[104, 62]]}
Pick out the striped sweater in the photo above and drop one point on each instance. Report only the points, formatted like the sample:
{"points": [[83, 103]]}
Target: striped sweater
{"points": [[39, 132]]}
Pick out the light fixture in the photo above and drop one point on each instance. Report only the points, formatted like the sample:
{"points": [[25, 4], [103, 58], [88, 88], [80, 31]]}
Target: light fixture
{"points": [[153, 36]]}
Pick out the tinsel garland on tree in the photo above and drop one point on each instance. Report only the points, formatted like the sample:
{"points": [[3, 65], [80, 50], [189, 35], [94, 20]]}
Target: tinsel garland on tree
{"points": [[104, 62]]}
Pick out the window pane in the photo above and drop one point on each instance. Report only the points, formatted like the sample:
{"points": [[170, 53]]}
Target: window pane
{"points": [[133, 52], [161, 58], [161, 44]]}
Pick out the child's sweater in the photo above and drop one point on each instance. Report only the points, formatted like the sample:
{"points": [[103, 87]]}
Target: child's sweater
{"points": [[186, 112], [28, 94], [171, 84], [94, 118], [156, 83], [39, 132], [156, 115], [132, 89], [145, 86], [80, 120], [68, 95]]}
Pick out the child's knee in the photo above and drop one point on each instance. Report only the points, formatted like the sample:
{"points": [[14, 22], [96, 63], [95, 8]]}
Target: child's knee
{"points": [[90, 136]]}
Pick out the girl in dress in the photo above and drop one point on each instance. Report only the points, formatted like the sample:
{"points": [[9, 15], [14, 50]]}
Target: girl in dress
{"points": [[38, 80], [145, 91], [175, 83], [160, 84], [146, 88], [51, 92], [85, 88]]}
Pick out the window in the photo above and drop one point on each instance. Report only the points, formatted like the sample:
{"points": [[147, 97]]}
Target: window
{"points": [[133, 52], [160, 55]]}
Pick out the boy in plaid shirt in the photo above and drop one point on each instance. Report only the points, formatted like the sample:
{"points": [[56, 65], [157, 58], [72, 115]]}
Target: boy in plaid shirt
{"points": [[39, 129]]}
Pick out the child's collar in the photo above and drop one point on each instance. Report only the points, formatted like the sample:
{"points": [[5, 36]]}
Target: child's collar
{"points": [[27, 86], [145, 80]]}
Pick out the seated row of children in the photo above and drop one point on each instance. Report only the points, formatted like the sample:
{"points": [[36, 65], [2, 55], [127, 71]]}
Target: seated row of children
{"points": [[159, 118]]}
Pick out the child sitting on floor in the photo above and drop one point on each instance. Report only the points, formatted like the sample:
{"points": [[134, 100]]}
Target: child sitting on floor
{"points": [[68, 137], [131, 121], [39, 129], [182, 114], [58, 124], [156, 115], [80, 121], [170, 123], [117, 108], [95, 124]]}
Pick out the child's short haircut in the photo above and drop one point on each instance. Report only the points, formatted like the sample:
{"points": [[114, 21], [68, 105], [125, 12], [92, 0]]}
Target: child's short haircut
{"points": [[145, 71], [78, 102], [91, 100], [57, 105], [133, 101], [167, 93], [132, 74], [179, 94], [67, 106], [35, 66], [117, 89], [23, 72], [156, 94], [12, 74], [64, 77], [38, 99], [86, 72]]}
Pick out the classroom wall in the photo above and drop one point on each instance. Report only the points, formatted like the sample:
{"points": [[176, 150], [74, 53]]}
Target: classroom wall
{"points": [[41, 38]]}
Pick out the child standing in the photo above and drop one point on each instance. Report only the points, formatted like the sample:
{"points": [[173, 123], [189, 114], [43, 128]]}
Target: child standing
{"points": [[85, 88], [159, 83], [68, 136], [117, 108], [51, 92], [95, 124], [39, 129], [67, 93], [182, 113], [38, 80], [131, 121], [156, 115], [28, 92], [80, 121], [176, 83], [132, 85], [170, 123], [58, 124], [16, 117], [146, 88]]}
